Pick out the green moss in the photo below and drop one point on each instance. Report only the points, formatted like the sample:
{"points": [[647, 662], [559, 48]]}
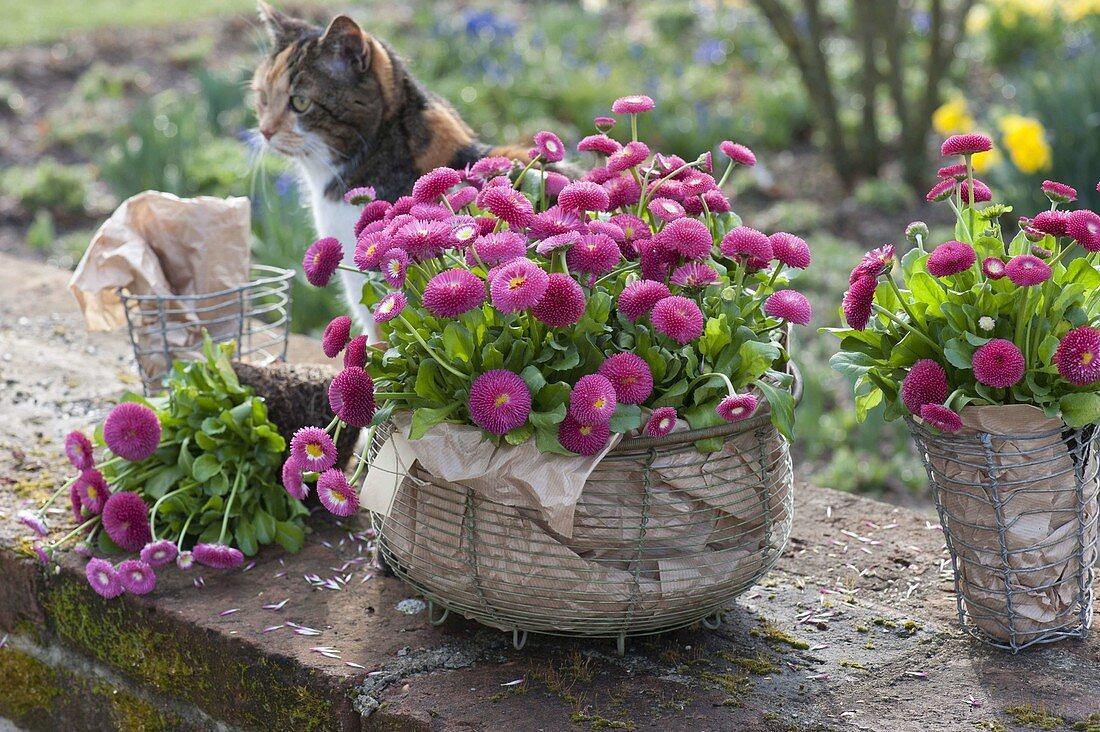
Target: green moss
{"points": [[911, 626], [862, 629], [596, 721], [852, 664], [991, 726], [133, 714], [29, 685], [773, 632], [730, 682], [1090, 724], [1035, 718], [759, 665], [884, 622]]}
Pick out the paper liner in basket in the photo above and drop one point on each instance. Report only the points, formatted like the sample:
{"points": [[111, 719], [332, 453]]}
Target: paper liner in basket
{"points": [[159, 244], [1035, 569], [711, 520]]}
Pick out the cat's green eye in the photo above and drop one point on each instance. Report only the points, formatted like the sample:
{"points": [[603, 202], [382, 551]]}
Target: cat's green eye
{"points": [[299, 103]]}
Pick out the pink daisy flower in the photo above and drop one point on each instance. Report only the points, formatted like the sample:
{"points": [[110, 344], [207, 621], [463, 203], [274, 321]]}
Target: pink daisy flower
{"points": [[789, 305], [217, 556], [875, 263], [351, 396], [583, 196], [563, 304], [553, 221], [1084, 227], [453, 292], [499, 402], [629, 374], [993, 268], [592, 400], [633, 228], [1041, 252], [1051, 222], [690, 238], [665, 209], [737, 407], [1078, 356], [950, 258], [926, 383], [93, 490], [594, 254], [697, 184], [558, 241], [360, 196], [1059, 192], [634, 104], [638, 298], [137, 576], [1027, 270], [388, 308], [422, 239], [336, 494], [601, 144], [747, 242], [630, 156], [313, 449], [550, 147], [668, 189], [33, 521], [126, 521], [603, 124], [369, 248], [941, 191], [598, 175], [401, 206], [694, 274], [321, 260], [583, 439], [738, 153], [555, 183], [78, 449], [608, 229], [158, 553], [656, 260], [493, 249], [940, 417], [519, 285], [292, 479], [336, 336], [716, 202], [433, 184], [79, 515], [858, 301], [956, 171], [999, 363], [462, 198], [968, 144], [464, 229], [395, 266], [661, 422], [488, 168], [103, 578], [508, 205], [790, 250], [185, 560], [678, 318], [373, 212], [622, 191], [981, 192], [132, 431]]}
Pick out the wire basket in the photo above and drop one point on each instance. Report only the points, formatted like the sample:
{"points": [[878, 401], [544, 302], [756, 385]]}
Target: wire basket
{"points": [[1019, 513], [663, 537], [256, 315]]}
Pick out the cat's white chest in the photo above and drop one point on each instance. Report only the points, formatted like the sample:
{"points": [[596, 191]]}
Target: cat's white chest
{"points": [[337, 219]]}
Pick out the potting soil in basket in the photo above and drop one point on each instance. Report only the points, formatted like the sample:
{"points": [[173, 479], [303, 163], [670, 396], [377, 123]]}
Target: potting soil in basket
{"points": [[556, 542], [1020, 573]]}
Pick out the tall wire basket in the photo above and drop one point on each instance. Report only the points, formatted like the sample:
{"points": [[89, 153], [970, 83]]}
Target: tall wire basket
{"points": [[256, 315], [1019, 513], [664, 536]]}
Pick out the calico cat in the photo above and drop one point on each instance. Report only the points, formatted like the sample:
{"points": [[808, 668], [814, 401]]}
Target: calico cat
{"points": [[340, 103]]}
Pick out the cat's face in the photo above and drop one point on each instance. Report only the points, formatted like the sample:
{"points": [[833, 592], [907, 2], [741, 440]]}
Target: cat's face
{"points": [[320, 93]]}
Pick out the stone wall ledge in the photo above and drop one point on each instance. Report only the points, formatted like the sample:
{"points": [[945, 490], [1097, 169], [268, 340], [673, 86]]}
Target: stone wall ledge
{"points": [[854, 629]]}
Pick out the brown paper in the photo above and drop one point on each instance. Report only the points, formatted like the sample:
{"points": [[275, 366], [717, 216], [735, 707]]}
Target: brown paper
{"points": [[159, 244], [1031, 567], [485, 545]]}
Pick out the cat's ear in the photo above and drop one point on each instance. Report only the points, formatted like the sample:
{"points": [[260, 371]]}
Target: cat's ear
{"points": [[281, 28], [345, 48]]}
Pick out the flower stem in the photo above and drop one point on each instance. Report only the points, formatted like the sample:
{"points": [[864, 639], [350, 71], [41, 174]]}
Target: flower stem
{"points": [[183, 533], [86, 525], [431, 351], [726, 175], [67, 485], [711, 374], [634, 126], [879, 309], [229, 505], [901, 299], [156, 505]]}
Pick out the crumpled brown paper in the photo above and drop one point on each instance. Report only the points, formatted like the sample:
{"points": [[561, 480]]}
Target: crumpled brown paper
{"points": [[159, 244], [1035, 569], [711, 519]]}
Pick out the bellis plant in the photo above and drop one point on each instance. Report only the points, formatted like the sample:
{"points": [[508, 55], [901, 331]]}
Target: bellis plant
{"points": [[189, 476], [990, 317], [539, 308]]}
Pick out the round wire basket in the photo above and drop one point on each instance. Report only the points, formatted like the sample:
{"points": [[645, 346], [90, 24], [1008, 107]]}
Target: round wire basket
{"points": [[256, 315], [664, 536], [1019, 514]]}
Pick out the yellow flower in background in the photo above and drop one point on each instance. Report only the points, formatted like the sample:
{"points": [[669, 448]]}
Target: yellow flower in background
{"points": [[1025, 140], [987, 160], [952, 117], [1077, 9]]}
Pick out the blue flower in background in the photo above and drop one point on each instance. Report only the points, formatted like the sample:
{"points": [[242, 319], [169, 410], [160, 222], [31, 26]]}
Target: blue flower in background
{"points": [[603, 70], [487, 24], [284, 186], [710, 51], [921, 21], [635, 49], [250, 138]]}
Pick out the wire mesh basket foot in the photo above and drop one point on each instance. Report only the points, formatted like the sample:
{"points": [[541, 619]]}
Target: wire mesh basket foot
{"points": [[256, 315], [1019, 514]]}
